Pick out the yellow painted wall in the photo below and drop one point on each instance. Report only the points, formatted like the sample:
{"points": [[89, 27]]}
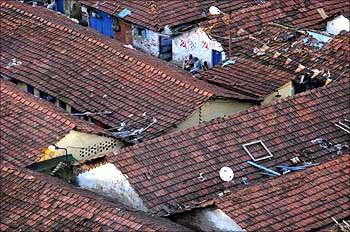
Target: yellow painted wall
{"points": [[23, 86], [285, 91], [213, 109], [92, 144]]}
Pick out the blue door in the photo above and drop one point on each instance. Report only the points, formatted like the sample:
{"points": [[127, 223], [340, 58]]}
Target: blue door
{"points": [[216, 57], [107, 25], [60, 6], [165, 48], [102, 23], [96, 22]]}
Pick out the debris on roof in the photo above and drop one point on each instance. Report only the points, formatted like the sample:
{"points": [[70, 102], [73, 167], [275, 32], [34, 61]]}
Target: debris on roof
{"points": [[124, 13], [288, 126], [302, 201], [253, 18]]}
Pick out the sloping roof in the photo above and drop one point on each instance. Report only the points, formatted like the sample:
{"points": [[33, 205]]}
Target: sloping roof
{"points": [[33, 201], [166, 170], [300, 47], [270, 58], [252, 19], [248, 77], [155, 15], [28, 125], [93, 73], [302, 201]]}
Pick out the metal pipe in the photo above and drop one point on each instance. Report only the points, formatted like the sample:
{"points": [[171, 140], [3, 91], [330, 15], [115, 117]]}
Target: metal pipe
{"points": [[263, 168]]}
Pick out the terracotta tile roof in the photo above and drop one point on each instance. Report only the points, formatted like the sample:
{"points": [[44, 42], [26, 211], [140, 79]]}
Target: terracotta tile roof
{"points": [[35, 202], [302, 201], [248, 77], [28, 125], [166, 170], [298, 13], [289, 43], [94, 73], [258, 74], [155, 15]]}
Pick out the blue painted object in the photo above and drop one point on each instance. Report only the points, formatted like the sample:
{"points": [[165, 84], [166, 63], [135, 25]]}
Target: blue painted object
{"points": [[102, 23], [216, 57], [60, 6], [267, 170], [124, 13]]}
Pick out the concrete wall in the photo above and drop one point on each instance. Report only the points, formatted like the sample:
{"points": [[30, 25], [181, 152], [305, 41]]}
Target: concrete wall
{"points": [[72, 9], [148, 42], [107, 180], [285, 91], [197, 43], [213, 109], [338, 24], [208, 220], [82, 145]]}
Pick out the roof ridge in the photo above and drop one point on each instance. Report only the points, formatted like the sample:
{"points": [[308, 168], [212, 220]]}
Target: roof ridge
{"points": [[109, 48], [227, 117]]}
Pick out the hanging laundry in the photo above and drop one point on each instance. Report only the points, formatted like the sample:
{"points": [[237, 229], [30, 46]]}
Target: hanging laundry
{"points": [[288, 60], [328, 81], [276, 55], [228, 62], [299, 68], [316, 72], [240, 31]]}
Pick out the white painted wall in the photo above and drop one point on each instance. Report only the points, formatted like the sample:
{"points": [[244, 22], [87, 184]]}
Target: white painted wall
{"points": [[197, 43], [208, 220], [338, 24], [107, 180], [149, 43]]}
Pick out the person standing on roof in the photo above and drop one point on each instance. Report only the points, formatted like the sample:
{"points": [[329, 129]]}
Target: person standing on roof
{"points": [[189, 63], [197, 66]]}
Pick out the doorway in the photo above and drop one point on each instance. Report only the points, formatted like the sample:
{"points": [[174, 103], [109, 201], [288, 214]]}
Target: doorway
{"points": [[165, 48]]}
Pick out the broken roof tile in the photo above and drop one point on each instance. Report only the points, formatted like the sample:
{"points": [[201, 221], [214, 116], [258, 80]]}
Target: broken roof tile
{"points": [[252, 19]]}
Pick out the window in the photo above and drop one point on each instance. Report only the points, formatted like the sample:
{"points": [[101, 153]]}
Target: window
{"points": [[141, 32], [75, 111], [47, 97], [62, 105], [43, 95], [30, 89]]}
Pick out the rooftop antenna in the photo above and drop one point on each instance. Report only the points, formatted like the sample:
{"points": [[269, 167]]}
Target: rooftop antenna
{"points": [[226, 174]]}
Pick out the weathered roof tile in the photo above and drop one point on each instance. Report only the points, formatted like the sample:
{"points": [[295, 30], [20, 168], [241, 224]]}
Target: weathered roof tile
{"points": [[61, 206], [28, 125], [130, 90], [176, 160], [305, 200]]}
